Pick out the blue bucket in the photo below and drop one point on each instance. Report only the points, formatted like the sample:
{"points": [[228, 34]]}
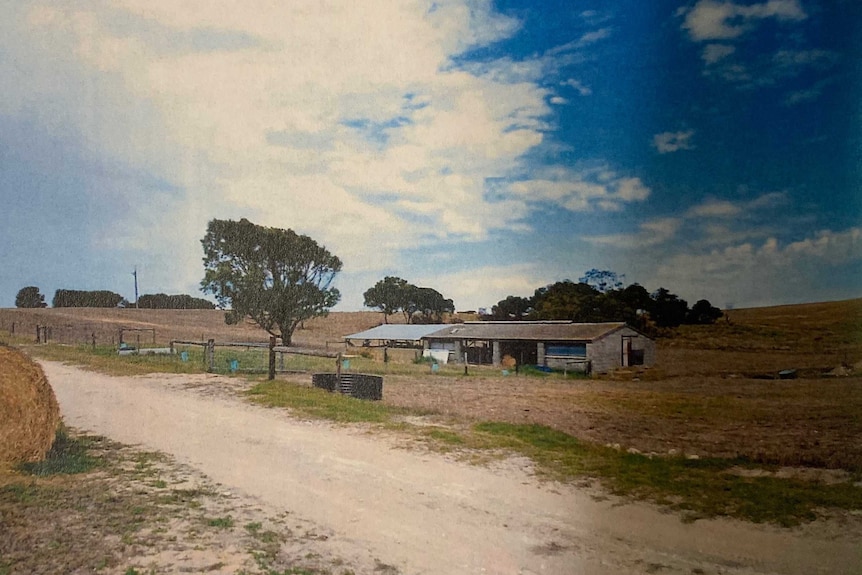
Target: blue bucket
{"points": [[184, 356], [234, 365]]}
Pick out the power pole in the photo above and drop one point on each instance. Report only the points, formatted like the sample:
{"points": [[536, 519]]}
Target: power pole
{"points": [[135, 273]]}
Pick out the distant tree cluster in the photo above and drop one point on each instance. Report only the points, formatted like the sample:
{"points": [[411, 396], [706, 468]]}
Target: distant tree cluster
{"points": [[30, 297], [599, 296], [81, 298], [182, 301], [418, 304]]}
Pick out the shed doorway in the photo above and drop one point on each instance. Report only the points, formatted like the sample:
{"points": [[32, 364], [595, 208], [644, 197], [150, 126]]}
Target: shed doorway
{"points": [[630, 355]]}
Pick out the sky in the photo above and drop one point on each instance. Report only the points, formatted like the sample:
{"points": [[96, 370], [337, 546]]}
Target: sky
{"points": [[483, 149]]}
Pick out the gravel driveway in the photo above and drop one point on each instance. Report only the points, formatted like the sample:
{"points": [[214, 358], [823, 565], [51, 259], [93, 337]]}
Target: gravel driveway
{"points": [[421, 512]]}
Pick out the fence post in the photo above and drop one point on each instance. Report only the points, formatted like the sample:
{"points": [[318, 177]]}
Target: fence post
{"points": [[38, 333], [271, 375], [210, 355], [338, 368], [94, 340]]}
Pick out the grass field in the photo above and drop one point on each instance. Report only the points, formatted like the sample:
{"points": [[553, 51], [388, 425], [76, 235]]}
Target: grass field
{"points": [[711, 419]]}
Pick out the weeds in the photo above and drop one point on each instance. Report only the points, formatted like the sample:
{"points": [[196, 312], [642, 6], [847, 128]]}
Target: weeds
{"points": [[698, 487], [317, 403], [221, 522], [67, 456]]}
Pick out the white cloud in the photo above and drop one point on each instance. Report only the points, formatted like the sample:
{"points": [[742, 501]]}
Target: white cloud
{"points": [[581, 88], [722, 20], [316, 122], [485, 286], [716, 209], [713, 53], [580, 191], [767, 273], [668, 142], [651, 233]]}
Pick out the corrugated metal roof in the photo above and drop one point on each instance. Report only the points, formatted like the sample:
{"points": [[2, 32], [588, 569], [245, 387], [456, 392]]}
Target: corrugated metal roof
{"points": [[525, 330], [399, 332]]}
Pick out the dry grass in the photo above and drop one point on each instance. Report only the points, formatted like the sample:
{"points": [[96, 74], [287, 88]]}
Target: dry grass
{"points": [[141, 512], [713, 392], [29, 413]]}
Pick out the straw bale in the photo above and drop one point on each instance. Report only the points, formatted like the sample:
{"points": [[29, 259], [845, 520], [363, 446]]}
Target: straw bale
{"points": [[29, 413]]}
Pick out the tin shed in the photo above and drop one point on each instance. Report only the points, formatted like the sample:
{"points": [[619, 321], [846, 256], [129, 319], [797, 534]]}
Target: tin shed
{"points": [[589, 347]]}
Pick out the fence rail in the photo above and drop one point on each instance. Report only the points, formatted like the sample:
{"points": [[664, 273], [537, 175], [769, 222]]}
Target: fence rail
{"points": [[250, 357]]}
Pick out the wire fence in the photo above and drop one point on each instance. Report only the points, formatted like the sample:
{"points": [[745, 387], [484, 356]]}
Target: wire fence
{"points": [[252, 357]]}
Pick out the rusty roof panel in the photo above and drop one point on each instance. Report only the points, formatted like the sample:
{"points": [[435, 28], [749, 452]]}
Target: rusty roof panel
{"points": [[526, 330]]}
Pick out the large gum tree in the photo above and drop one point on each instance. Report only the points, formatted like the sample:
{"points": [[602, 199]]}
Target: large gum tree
{"points": [[275, 277]]}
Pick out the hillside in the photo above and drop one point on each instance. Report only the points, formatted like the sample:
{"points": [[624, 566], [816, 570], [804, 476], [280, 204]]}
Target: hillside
{"points": [[77, 325], [828, 328]]}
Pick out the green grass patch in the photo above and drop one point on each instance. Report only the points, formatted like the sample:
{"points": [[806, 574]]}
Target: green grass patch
{"points": [[67, 455], [221, 522], [445, 436], [698, 487], [105, 359], [321, 404]]}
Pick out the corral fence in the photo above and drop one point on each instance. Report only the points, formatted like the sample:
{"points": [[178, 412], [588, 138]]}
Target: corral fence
{"points": [[254, 357], [90, 333], [269, 358]]}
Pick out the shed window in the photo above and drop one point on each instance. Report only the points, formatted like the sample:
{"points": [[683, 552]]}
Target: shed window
{"points": [[570, 350]]}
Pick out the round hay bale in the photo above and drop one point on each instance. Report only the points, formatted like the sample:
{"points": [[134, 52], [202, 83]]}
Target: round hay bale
{"points": [[29, 413]]}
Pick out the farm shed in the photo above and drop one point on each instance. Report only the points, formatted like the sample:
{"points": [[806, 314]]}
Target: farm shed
{"points": [[591, 347], [393, 335]]}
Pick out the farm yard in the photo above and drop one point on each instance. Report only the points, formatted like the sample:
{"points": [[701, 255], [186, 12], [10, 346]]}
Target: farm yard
{"points": [[714, 391], [711, 430]]}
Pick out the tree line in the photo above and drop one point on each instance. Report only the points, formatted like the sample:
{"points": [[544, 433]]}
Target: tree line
{"points": [[393, 295], [600, 296], [277, 279], [31, 297]]}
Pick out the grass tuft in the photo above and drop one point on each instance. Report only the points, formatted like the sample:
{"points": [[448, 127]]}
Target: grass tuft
{"points": [[67, 455], [318, 403]]}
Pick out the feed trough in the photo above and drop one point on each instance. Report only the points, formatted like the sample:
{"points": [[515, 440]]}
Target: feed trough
{"points": [[358, 385]]}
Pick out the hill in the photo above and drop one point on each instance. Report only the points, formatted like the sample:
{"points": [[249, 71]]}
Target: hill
{"points": [[79, 325]]}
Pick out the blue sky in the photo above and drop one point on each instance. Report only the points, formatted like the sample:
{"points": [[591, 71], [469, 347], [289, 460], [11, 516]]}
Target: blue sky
{"points": [[481, 148]]}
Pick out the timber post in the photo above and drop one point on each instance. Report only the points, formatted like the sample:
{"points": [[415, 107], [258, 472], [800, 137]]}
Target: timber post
{"points": [[271, 374], [210, 355]]}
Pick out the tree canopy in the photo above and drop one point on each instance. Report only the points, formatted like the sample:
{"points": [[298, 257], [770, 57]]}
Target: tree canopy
{"points": [[389, 295], [84, 298], [30, 296], [599, 296], [418, 304], [181, 301], [275, 277], [427, 305]]}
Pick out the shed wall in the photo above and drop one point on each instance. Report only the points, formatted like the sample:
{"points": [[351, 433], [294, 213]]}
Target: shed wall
{"points": [[606, 354]]}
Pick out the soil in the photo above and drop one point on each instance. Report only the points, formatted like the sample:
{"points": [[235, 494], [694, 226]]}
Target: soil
{"points": [[421, 512]]}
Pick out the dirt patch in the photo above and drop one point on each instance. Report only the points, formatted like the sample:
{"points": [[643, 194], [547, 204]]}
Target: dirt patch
{"points": [[28, 409], [142, 512]]}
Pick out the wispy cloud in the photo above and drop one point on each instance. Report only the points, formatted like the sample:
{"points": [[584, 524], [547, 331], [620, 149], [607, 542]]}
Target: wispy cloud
{"points": [[713, 53], [579, 191], [722, 20], [767, 272], [668, 142], [579, 86], [720, 208], [651, 233]]}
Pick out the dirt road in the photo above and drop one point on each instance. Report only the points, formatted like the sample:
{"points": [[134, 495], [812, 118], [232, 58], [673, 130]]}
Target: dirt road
{"points": [[422, 512]]}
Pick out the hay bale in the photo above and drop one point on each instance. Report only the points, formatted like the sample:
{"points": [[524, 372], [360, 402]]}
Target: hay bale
{"points": [[29, 413]]}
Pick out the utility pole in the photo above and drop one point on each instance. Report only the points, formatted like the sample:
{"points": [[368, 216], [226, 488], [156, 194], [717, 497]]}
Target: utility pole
{"points": [[135, 273]]}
